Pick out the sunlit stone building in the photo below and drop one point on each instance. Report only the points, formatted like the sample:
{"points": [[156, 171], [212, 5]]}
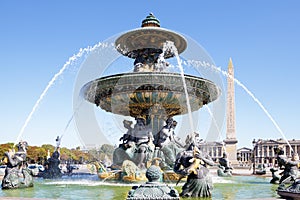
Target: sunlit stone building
{"points": [[244, 156], [264, 149], [213, 149]]}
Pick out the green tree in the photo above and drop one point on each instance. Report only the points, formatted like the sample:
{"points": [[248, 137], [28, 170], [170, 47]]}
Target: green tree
{"points": [[35, 154]]}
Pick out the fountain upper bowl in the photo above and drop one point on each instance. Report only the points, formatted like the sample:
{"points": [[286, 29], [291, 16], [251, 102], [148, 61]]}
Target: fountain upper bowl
{"points": [[133, 94]]}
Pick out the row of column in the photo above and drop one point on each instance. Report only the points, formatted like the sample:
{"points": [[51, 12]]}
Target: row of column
{"points": [[245, 156], [214, 151], [268, 150], [266, 154]]}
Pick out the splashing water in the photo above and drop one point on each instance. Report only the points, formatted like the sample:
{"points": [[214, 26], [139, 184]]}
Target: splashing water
{"points": [[218, 69], [70, 120], [169, 46], [52, 81]]}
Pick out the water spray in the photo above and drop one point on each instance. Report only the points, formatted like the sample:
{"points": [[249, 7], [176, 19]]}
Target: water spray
{"points": [[218, 69], [70, 61], [215, 122], [169, 46], [70, 120]]}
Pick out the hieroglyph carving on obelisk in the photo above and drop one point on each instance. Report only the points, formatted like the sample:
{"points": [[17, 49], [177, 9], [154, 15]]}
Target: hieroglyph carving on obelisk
{"points": [[230, 141]]}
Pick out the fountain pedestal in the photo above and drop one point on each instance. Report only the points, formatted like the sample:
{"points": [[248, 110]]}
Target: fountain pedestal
{"points": [[153, 189]]}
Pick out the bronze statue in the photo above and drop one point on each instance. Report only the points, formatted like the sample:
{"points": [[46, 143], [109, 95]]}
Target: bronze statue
{"points": [[137, 145], [290, 175], [290, 171], [275, 175], [149, 60], [289, 167], [166, 142], [126, 149], [52, 169], [144, 143], [153, 189], [193, 164], [17, 175], [225, 169]]}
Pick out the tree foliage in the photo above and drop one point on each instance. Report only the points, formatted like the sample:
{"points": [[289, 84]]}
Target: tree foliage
{"points": [[36, 154]]}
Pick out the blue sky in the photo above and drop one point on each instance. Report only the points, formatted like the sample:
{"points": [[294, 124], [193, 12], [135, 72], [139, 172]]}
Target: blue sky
{"points": [[37, 38]]}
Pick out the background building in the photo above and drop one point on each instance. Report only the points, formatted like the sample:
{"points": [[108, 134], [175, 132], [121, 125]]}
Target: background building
{"points": [[244, 156], [264, 150], [213, 149]]}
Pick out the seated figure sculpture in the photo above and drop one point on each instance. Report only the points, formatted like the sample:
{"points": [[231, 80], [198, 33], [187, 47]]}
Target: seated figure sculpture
{"points": [[166, 143], [149, 60], [137, 145], [193, 164], [143, 142], [17, 175], [126, 149], [290, 175], [225, 169], [290, 172], [290, 167]]}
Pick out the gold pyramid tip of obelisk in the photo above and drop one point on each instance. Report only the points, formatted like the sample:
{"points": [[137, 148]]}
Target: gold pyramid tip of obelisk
{"points": [[230, 65]]}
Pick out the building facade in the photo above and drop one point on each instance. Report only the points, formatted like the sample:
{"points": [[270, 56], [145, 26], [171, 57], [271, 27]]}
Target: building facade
{"points": [[213, 149], [244, 156], [264, 150]]}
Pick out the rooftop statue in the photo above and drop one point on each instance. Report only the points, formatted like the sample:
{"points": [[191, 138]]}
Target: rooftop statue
{"points": [[17, 175]]}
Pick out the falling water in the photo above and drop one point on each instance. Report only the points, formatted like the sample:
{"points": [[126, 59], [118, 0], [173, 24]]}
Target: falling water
{"points": [[51, 82], [218, 69], [70, 120], [216, 125], [169, 46]]}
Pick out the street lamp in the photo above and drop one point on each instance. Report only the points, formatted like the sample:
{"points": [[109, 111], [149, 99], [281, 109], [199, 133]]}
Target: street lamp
{"points": [[253, 154]]}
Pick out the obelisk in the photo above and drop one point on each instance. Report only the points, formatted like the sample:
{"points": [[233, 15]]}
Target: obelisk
{"points": [[230, 141]]}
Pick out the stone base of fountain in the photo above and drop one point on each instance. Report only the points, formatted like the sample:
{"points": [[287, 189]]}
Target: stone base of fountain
{"points": [[290, 192], [153, 189]]}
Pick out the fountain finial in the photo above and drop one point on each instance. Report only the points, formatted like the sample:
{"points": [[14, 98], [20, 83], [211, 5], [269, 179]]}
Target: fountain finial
{"points": [[151, 21]]}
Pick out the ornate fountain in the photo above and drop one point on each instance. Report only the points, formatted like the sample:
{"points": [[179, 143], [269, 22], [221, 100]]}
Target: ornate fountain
{"points": [[17, 175], [149, 94]]}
